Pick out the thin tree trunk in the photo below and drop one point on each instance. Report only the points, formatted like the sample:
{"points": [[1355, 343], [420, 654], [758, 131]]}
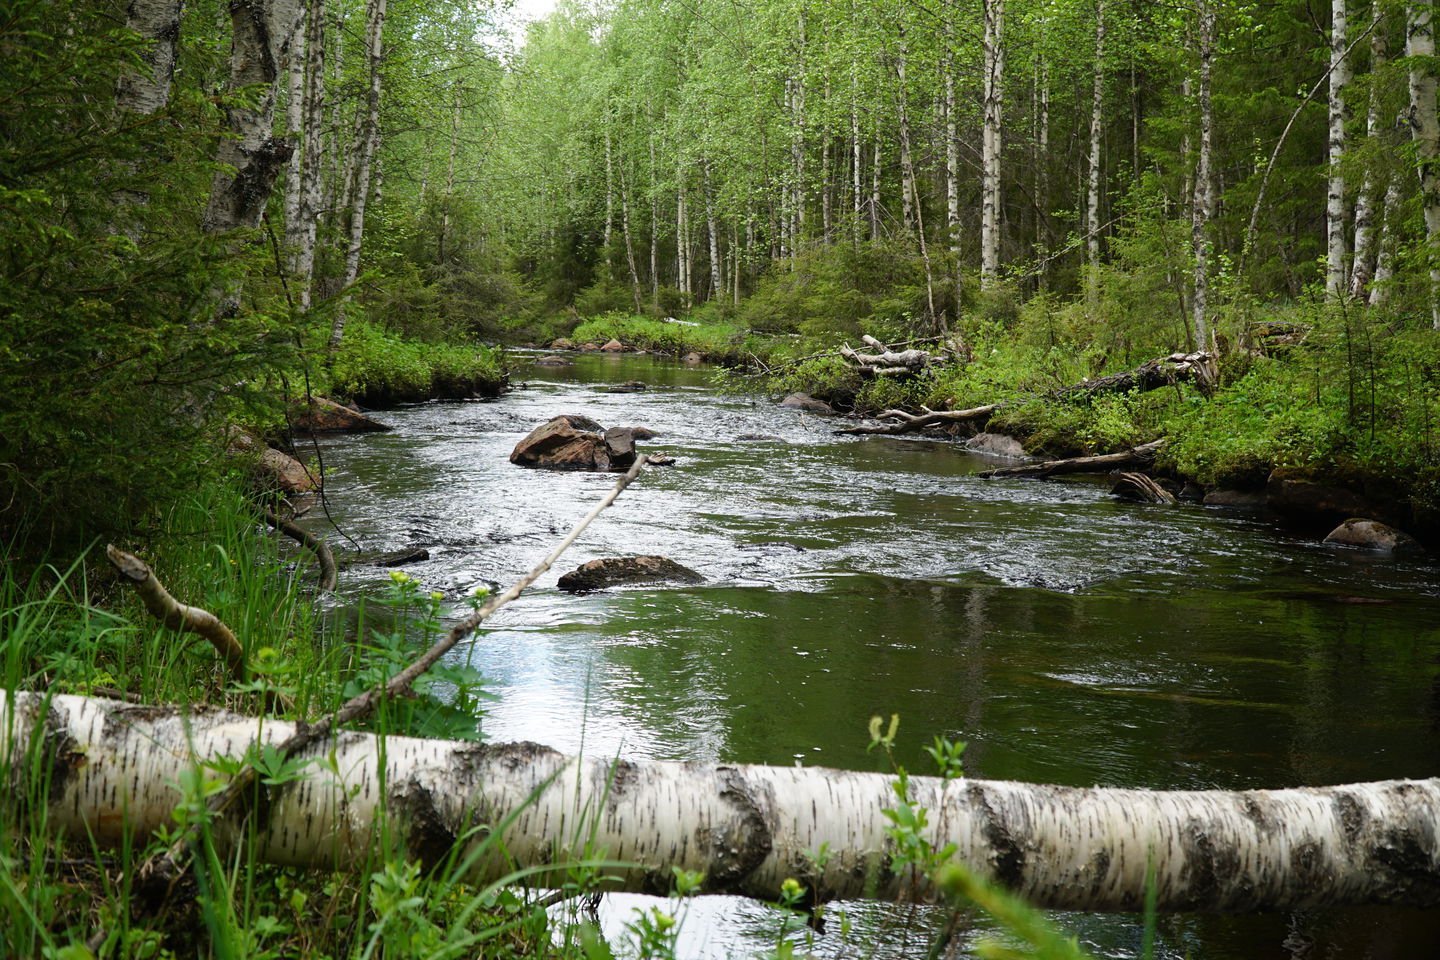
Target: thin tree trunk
{"points": [[907, 167], [991, 145], [113, 769], [857, 192], [875, 190], [952, 162], [251, 158], [367, 142], [1042, 166], [1362, 267], [609, 199], [827, 150], [682, 238], [629, 243], [449, 176], [1092, 192], [1204, 187], [296, 84], [654, 226], [717, 283], [302, 230], [1425, 132], [1336, 237], [1385, 257]]}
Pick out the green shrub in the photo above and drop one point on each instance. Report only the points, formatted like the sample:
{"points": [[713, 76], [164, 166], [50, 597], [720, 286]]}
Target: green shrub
{"points": [[378, 367]]}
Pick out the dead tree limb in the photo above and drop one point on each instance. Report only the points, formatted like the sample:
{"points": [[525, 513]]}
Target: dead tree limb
{"points": [[1139, 486], [910, 422], [323, 554], [1140, 456], [176, 615]]}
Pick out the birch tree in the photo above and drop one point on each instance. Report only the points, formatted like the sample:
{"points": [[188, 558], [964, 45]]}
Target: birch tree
{"points": [[1425, 132], [993, 109], [114, 770], [1203, 204], [1336, 252]]}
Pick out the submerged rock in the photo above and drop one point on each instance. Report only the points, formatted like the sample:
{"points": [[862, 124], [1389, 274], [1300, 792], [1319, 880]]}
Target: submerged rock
{"points": [[327, 416], [616, 571], [554, 362], [996, 445], [629, 386], [1372, 535], [392, 558], [803, 401], [694, 359]]}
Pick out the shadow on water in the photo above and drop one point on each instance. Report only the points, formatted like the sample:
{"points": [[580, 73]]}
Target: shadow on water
{"points": [[1067, 637]]}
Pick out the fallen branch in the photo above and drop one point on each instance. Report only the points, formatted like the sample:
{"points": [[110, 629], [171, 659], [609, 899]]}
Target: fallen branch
{"points": [[176, 615], [1139, 456], [157, 877], [909, 422], [323, 554], [1139, 486]]}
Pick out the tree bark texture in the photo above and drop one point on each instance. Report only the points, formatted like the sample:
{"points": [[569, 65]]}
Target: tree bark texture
{"points": [[1337, 252], [147, 90], [1204, 201], [1425, 132], [1367, 216], [112, 768], [990, 143], [251, 157]]}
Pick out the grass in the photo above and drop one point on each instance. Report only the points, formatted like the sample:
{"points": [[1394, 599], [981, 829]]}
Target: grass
{"points": [[377, 367]]}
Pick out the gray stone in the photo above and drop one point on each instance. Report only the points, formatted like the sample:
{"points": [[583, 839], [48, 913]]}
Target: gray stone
{"points": [[617, 571], [803, 401], [1372, 535], [996, 445]]}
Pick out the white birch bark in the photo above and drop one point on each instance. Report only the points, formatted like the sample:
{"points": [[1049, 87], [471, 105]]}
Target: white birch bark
{"points": [[1425, 133], [952, 161], [1336, 236], [1385, 256], [875, 190], [1362, 265], [147, 89], [990, 140], [251, 157], [609, 199], [301, 232], [1093, 181], [1092, 192], [857, 192], [1204, 199], [113, 769], [629, 242], [717, 283], [295, 86], [907, 166], [654, 226], [367, 142]]}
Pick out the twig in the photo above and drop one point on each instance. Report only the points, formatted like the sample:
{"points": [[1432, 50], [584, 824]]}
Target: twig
{"points": [[323, 554], [157, 877]]}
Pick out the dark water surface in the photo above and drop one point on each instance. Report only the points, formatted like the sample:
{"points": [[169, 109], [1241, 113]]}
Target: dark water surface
{"points": [[1067, 637]]}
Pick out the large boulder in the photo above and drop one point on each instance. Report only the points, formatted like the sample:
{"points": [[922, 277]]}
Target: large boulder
{"points": [[620, 445], [613, 346], [616, 571], [562, 344], [803, 401], [558, 445], [1239, 499], [1319, 500], [327, 416], [1372, 535]]}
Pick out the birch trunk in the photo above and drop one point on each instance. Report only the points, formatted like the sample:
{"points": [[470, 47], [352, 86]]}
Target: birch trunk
{"points": [[301, 232], [1425, 131], [629, 242], [857, 192], [682, 238], [827, 151], [147, 90], [1336, 250], [367, 141], [609, 199], [717, 283], [1204, 199], [907, 166], [1362, 265], [295, 87], [952, 164], [1092, 198], [1385, 257], [875, 190], [654, 227], [113, 768], [251, 158], [990, 142]]}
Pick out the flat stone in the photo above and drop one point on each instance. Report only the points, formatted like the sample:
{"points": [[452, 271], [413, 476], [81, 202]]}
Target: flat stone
{"points": [[616, 571]]}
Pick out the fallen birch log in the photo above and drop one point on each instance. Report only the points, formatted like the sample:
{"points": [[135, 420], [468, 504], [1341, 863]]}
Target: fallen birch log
{"points": [[904, 422], [1139, 456], [113, 767]]}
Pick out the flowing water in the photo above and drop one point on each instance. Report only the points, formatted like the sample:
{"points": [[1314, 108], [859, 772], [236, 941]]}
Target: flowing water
{"points": [[1066, 636]]}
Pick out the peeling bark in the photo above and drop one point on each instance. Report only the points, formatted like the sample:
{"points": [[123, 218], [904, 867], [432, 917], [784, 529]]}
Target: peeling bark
{"points": [[1337, 252], [993, 105], [113, 767], [147, 90]]}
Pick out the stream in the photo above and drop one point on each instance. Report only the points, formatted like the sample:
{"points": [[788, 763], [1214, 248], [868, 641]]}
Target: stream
{"points": [[1067, 637]]}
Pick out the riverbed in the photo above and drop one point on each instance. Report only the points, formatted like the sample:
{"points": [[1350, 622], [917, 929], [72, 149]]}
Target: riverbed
{"points": [[1066, 636]]}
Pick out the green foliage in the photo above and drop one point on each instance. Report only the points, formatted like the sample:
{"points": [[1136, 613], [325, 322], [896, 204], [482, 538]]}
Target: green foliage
{"points": [[675, 339], [378, 367], [114, 364], [831, 291]]}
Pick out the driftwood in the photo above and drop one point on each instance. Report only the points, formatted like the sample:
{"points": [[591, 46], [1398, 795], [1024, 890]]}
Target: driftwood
{"points": [[1161, 372], [1134, 457], [909, 422], [887, 362], [1139, 486], [176, 615]]}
